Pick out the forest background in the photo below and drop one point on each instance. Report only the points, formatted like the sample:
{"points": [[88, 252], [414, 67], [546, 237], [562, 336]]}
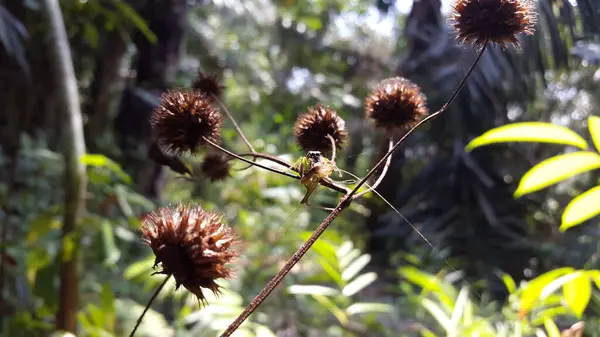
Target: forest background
{"points": [[371, 274]]}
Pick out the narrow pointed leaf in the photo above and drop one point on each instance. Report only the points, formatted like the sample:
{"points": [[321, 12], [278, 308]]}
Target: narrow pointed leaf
{"points": [[529, 132], [312, 290], [355, 267], [363, 308], [582, 208], [555, 169], [594, 126], [359, 284], [577, 293], [440, 316], [551, 328]]}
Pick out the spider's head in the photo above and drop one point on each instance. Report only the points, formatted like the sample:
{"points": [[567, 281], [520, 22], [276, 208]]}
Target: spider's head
{"points": [[314, 156]]}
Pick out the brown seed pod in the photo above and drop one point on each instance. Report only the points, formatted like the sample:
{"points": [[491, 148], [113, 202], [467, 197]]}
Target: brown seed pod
{"points": [[192, 245], [215, 166], [495, 21], [311, 129], [396, 105], [208, 85], [182, 121]]}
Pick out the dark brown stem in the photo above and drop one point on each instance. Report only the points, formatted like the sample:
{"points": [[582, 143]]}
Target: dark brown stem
{"points": [[222, 149], [235, 125], [343, 204], [381, 176], [383, 160], [158, 290]]}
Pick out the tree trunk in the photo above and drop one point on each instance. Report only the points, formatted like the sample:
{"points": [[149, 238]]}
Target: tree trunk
{"points": [[75, 174]]}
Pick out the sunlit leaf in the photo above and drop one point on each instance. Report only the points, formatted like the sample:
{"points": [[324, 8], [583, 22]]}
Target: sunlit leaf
{"points": [[577, 293], [298, 289], [339, 314], [99, 160], [534, 288], [333, 273], [555, 169], [111, 251], [529, 132], [359, 284], [551, 328], [551, 313], [440, 316], [594, 127], [510, 284], [363, 308], [582, 208], [459, 307], [355, 267], [136, 19]]}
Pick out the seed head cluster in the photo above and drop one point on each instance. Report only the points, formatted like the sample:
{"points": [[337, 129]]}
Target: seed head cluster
{"points": [[311, 129], [215, 166], [183, 120], [494, 21], [192, 245], [208, 85], [396, 105]]}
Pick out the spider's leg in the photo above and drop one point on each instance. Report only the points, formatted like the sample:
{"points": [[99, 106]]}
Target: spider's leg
{"points": [[310, 188], [329, 209]]}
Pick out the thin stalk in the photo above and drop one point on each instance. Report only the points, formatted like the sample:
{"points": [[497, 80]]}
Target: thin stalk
{"points": [[343, 204], [381, 176], [158, 290], [235, 125], [383, 160]]}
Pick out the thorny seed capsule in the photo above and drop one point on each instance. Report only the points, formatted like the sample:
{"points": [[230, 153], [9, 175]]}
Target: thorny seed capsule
{"points": [[311, 129]]}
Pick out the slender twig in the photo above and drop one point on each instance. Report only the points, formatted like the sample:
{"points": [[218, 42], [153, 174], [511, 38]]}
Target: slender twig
{"points": [[220, 148], [235, 125], [381, 176], [158, 290], [343, 204], [268, 157], [423, 121], [332, 147]]}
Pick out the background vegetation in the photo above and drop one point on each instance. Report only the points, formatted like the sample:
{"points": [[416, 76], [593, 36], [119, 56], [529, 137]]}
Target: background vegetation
{"points": [[371, 274]]}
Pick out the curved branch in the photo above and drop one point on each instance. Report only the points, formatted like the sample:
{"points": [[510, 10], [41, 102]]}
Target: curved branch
{"points": [[381, 176]]}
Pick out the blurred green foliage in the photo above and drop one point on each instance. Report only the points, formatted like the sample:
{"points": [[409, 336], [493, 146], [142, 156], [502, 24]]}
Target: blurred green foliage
{"points": [[275, 58]]}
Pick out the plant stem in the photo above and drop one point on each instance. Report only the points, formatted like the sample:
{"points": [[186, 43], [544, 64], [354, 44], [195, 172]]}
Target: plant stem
{"points": [[383, 160], [381, 176], [158, 290], [75, 173], [235, 125], [343, 204]]}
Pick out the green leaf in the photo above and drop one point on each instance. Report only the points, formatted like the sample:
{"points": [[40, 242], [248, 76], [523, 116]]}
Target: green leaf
{"points": [[359, 284], [529, 132], [312, 290], [98, 160], [510, 284], [555, 169], [363, 308], [459, 308], [551, 328], [333, 273], [333, 308], [355, 267], [534, 288], [582, 208], [136, 19], [440, 316], [577, 293], [111, 252], [594, 127]]}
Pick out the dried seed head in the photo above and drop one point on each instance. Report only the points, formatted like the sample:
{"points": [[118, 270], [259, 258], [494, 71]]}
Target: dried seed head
{"points": [[311, 129], [183, 120], [191, 244], [495, 21], [215, 166], [396, 105], [208, 85]]}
